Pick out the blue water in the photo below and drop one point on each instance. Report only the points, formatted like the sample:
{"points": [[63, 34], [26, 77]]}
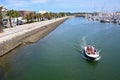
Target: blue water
{"points": [[58, 55]]}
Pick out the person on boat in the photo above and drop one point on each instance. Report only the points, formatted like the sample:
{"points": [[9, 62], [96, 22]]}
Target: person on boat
{"points": [[90, 50], [93, 51]]}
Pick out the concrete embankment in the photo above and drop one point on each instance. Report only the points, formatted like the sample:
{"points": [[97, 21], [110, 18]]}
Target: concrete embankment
{"points": [[29, 33]]}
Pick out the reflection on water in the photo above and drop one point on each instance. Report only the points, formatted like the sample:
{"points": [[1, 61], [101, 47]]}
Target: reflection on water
{"points": [[6, 64], [4, 67], [2, 73], [92, 63]]}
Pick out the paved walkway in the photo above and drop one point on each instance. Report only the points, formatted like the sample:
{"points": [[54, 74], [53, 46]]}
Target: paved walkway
{"points": [[9, 33]]}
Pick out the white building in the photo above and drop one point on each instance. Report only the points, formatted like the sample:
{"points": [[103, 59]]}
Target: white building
{"points": [[43, 12]]}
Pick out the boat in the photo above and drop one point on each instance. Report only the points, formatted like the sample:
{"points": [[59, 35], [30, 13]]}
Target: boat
{"points": [[90, 53], [105, 21]]}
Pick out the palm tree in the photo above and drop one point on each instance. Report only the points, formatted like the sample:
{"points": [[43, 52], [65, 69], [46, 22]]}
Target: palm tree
{"points": [[28, 18], [55, 15], [0, 15], [61, 14], [31, 17], [1, 23], [13, 14], [48, 16], [38, 17]]}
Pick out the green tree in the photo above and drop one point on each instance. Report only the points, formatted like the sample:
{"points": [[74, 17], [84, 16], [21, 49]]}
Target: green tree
{"points": [[31, 17], [0, 12], [28, 17], [61, 14], [34, 17], [49, 16], [0, 15], [39, 16], [13, 13], [1, 23]]}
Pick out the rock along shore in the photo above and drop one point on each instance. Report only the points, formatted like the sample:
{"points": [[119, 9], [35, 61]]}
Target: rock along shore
{"points": [[28, 33]]}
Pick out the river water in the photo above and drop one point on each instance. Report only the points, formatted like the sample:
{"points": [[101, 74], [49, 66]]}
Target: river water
{"points": [[58, 55]]}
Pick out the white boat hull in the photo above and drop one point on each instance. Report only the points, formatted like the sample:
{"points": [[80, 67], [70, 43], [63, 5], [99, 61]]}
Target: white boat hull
{"points": [[93, 57]]}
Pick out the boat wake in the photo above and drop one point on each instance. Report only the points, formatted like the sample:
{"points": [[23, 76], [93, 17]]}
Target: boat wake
{"points": [[83, 43]]}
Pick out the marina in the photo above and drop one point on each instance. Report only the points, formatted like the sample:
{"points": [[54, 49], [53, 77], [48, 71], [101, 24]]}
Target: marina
{"points": [[105, 17]]}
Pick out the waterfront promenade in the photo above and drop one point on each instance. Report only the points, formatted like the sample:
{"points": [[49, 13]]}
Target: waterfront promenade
{"points": [[21, 29], [12, 37]]}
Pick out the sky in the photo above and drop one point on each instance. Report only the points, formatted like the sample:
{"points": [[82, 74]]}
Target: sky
{"points": [[63, 5]]}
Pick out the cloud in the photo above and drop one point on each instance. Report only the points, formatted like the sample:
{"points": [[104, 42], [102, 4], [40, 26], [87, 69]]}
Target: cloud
{"points": [[23, 3], [39, 1], [16, 3]]}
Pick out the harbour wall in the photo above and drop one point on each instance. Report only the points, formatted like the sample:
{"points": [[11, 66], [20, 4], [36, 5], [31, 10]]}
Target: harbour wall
{"points": [[29, 34]]}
